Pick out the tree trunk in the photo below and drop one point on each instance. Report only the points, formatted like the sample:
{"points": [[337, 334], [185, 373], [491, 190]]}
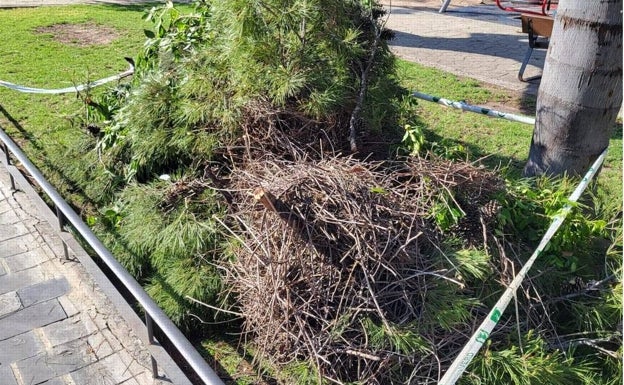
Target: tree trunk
{"points": [[581, 89]]}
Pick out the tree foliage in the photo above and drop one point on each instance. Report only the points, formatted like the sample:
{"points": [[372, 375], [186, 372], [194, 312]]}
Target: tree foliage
{"points": [[208, 82]]}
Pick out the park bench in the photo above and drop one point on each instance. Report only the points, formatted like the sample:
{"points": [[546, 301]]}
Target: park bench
{"points": [[539, 28], [537, 18], [529, 7]]}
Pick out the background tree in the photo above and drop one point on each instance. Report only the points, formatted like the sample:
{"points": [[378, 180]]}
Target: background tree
{"points": [[581, 90]]}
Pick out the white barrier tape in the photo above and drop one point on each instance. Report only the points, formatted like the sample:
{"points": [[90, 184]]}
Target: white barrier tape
{"points": [[476, 109], [476, 341], [67, 90]]}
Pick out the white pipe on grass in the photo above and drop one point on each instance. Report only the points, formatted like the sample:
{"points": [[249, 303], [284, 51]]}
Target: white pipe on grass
{"points": [[476, 109]]}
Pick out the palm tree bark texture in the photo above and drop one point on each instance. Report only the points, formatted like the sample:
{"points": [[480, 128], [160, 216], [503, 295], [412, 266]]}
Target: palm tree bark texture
{"points": [[581, 90]]}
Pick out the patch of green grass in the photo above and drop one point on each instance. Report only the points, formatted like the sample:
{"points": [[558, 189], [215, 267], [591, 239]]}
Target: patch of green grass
{"points": [[610, 178], [502, 143], [240, 364], [41, 123], [34, 59]]}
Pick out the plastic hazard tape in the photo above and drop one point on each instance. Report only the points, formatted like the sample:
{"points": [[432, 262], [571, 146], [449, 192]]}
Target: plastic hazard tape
{"points": [[476, 109], [480, 336], [67, 90]]}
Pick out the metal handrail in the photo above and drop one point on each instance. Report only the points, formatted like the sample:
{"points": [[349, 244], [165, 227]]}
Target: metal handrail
{"points": [[152, 311]]}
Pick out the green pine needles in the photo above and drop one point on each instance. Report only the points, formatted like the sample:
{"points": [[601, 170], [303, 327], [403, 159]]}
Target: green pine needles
{"points": [[529, 364], [207, 81]]}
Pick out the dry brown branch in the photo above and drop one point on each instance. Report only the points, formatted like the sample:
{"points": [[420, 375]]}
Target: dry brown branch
{"points": [[337, 261]]}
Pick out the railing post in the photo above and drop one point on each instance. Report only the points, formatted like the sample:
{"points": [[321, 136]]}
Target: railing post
{"points": [[65, 249], [5, 148], [61, 218], [149, 324]]}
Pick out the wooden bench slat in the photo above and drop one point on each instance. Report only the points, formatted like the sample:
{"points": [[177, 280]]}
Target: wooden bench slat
{"points": [[540, 25]]}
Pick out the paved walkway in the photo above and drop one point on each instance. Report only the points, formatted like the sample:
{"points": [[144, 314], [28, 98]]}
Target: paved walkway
{"points": [[57, 327], [471, 39]]}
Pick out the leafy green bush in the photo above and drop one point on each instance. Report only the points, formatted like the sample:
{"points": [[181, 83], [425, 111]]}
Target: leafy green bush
{"points": [[529, 208]]}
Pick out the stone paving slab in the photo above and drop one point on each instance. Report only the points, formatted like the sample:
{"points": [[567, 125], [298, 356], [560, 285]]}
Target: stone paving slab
{"points": [[30, 318], [6, 373], [57, 327], [9, 303], [26, 260], [15, 246], [20, 347], [54, 363], [14, 281], [475, 40], [43, 291]]}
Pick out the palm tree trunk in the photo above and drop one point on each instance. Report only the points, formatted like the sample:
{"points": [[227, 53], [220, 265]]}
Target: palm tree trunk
{"points": [[581, 89]]}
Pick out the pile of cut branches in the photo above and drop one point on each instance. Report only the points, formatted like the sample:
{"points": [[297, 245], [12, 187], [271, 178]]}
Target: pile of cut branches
{"points": [[338, 261]]}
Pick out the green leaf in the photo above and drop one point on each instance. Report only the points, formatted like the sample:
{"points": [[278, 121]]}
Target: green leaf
{"points": [[149, 34], [378, 190], [91, 220]]}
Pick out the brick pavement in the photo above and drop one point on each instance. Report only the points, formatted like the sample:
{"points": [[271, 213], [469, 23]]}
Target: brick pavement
{"points": [[471, 39], [57, 327]]}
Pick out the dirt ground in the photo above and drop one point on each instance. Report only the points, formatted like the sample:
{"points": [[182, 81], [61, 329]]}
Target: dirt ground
{"points": [[81, 35]]}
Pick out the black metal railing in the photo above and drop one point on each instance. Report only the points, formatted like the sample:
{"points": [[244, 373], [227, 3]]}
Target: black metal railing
{"points": [[153, 314]]}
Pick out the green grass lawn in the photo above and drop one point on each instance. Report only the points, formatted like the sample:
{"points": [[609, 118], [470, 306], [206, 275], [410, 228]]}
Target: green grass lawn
{"points": [[504, 143], [42, 124], [36, 59]]}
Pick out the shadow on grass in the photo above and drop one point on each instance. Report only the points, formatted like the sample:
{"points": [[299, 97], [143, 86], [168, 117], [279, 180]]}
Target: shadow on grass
{"points": [[512, 166], [616, 133], [43, 158], [450, 147]]}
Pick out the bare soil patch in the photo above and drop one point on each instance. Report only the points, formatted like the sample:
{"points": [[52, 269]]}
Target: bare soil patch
{"points": [[81, 35]]}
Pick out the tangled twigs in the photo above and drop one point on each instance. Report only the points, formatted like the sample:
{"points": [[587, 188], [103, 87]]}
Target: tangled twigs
{"points": [[337, 267]]}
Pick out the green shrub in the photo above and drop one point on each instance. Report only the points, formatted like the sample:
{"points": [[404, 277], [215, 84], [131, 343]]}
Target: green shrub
{"points": [[205, 81]]}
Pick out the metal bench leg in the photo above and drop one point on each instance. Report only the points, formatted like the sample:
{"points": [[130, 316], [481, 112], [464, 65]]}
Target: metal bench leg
{"points": [[533, 43], [525, 61], [444, 6]]}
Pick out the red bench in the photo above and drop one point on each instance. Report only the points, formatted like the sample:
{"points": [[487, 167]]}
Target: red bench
{"points": [[537, 21], [529, 7]]}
